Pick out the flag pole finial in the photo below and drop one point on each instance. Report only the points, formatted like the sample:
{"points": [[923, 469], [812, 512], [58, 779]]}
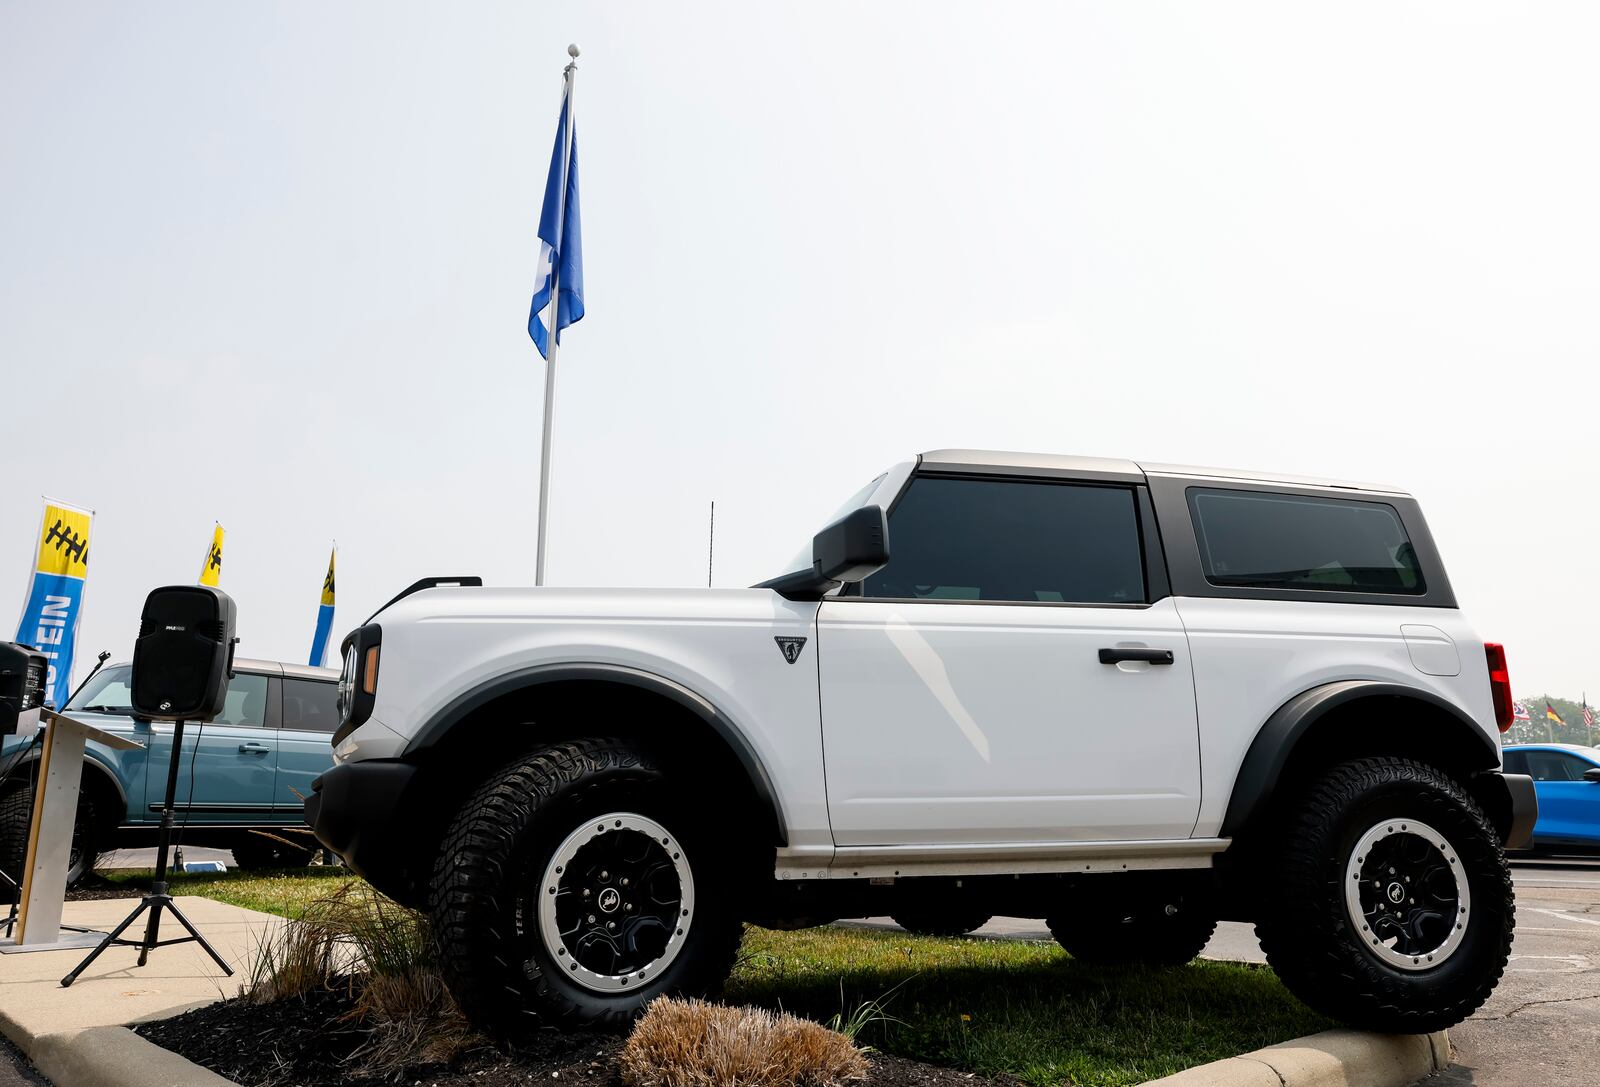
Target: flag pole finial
{"points": [[572, 51]]}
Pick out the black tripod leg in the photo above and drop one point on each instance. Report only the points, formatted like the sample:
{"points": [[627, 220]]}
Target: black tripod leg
{"points": [[172, 908], [152, 928], [111, 938]]}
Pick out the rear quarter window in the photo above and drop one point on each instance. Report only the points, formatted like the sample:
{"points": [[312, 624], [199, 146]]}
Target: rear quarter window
{"points": [[309, 705], [1263, 540]]}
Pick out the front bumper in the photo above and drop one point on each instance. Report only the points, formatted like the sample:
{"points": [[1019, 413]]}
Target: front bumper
{"points": [[358, 810]]}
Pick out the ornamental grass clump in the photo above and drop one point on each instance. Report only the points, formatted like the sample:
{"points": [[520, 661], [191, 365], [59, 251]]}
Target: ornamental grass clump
{"points": [[379, 952], [690, 1043]]}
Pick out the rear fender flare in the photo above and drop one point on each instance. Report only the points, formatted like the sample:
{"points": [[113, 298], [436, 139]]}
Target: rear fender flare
{"points": [[1274, 743]]}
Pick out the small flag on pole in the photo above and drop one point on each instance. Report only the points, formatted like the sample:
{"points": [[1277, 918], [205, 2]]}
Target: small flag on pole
{"points": [[1520, 712], [1551, 714], [1588, 713], [211, 568], [560, 236], [319, 640]]}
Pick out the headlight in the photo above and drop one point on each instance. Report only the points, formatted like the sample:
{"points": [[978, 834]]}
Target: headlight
{"points": [[358, 679], [347, 684]]}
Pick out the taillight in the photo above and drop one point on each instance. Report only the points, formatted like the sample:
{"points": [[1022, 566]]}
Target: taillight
{"points": [[1499, 685]]}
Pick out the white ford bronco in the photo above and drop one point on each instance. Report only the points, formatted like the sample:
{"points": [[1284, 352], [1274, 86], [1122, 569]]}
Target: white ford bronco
{"points": [[1129, 699]]}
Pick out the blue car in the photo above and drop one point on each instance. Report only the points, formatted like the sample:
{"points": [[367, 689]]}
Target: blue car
{"points": [[243, 792], [1566, 778]]}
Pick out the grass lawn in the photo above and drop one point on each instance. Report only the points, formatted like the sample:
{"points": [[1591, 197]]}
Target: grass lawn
{"points": [[282, 892], [987, 1006], [1024, 1009]]}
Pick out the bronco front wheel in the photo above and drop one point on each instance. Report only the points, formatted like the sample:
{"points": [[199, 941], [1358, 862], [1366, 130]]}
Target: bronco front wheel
{"points": [[576, 886]]}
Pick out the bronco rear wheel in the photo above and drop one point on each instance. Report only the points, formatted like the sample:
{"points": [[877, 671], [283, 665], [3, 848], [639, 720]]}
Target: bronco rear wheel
{"points": [[1395, 906], [577, 886]]}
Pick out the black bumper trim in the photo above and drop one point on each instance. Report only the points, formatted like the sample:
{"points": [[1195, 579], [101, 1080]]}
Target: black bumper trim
{"points": [[356, 809], [1524, 810]]}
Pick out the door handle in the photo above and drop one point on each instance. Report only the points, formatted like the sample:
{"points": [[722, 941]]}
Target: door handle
{"points": [[1148, 656], [253, 749]]}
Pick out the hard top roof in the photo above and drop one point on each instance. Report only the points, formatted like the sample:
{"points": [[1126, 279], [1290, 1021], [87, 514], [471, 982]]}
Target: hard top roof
{"points": [[991, 460]]}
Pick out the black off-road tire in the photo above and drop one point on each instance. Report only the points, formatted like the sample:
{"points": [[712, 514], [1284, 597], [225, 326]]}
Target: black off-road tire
{"points": [[254, 852], [486, 880], [934, 921], [1308, 935], [16, 815], [1159, 930]]}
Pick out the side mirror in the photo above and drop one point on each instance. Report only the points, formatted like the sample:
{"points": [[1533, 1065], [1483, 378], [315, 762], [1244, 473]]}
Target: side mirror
{"points": [[1592, 774], [853, 548]]}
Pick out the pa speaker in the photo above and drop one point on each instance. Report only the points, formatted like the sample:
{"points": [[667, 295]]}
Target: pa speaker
{"points": [[184, 654], [22, 679]]}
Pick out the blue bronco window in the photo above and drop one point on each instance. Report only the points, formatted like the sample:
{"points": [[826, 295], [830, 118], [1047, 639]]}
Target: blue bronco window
{"points": [[1259, 540]]}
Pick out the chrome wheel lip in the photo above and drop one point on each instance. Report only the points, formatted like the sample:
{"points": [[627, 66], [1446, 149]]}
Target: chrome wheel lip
{"points": [[549, 929], [1417, 961]]}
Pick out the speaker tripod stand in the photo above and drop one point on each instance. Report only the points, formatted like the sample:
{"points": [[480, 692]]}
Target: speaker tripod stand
{"points": [[158, 899]]}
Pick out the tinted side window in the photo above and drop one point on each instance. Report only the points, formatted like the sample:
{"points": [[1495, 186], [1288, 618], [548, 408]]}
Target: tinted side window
{"points": [[309, 705], [1555, 766], [987, 539], [246, 701], [1516, 762], [1252, 539]]}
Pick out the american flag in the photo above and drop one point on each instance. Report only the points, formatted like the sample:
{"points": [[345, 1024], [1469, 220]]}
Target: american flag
{"points": [[1588, 714]]}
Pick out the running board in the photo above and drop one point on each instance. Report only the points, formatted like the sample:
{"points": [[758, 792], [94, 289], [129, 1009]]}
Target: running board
{"points": [[1023, 858]]}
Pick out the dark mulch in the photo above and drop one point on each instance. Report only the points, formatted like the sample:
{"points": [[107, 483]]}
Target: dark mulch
{"points": [[95, 886], [302, 1042]]}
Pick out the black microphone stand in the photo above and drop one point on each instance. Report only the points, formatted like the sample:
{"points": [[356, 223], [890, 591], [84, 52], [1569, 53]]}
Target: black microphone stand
{"points": [[158, 899]]}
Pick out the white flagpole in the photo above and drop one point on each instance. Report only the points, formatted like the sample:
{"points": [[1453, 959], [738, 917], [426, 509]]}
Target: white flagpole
{"points": [[567, 79]]}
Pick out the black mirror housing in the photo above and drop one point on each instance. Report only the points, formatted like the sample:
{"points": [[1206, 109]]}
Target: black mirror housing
{"points": [[853, 548], [1592, 774]]}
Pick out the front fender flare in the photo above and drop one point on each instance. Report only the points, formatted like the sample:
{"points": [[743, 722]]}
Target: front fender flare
{"points": [[539, 675], [1269, 752]]}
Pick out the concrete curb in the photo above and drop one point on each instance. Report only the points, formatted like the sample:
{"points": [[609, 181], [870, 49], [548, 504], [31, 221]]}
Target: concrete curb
{"points": [[1334, 1058], [115, 1057]]}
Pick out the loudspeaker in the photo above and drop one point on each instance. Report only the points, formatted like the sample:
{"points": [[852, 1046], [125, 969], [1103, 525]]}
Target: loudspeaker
{"points": [[184, 655], [22, 678]]}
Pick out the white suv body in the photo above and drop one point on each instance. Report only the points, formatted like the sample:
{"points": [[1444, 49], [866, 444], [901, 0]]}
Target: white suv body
{"points": [[1062, 667]]}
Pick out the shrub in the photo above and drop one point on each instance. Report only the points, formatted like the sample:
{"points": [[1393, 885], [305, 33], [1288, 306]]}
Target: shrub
{"points": [[690, 1043]]}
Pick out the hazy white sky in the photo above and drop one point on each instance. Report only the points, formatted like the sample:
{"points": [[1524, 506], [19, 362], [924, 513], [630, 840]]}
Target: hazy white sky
{"points": [[270, 264]]}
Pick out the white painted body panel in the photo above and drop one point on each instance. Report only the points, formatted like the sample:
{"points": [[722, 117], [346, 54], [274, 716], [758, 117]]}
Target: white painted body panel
{"points": [[989, 724], [442, 643], [1252, 656]]}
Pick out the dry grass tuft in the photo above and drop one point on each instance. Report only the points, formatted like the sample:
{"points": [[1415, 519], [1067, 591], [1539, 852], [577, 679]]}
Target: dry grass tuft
{"points": [[356, 939], [690, 1043]]}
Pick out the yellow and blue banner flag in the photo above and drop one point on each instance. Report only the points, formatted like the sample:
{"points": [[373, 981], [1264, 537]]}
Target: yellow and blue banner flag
{"points": [[211, 568], [55, 597], [319, 640]]}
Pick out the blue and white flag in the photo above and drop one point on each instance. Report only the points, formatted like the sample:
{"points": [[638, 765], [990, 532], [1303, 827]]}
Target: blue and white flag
{"points": [[560, 238], [55, 594]]}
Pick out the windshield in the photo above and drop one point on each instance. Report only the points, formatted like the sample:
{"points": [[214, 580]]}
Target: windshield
{"points": [[110, 691]]}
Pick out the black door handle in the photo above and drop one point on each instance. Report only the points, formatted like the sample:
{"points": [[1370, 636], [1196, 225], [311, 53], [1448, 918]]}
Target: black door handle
{"points": [[1148, 656]]}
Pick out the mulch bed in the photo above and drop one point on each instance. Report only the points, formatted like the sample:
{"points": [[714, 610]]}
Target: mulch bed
{"points": [[302, 1042]]}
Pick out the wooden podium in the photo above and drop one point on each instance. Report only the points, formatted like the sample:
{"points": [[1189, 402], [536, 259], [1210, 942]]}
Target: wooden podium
{"points": [[37, 924]]}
